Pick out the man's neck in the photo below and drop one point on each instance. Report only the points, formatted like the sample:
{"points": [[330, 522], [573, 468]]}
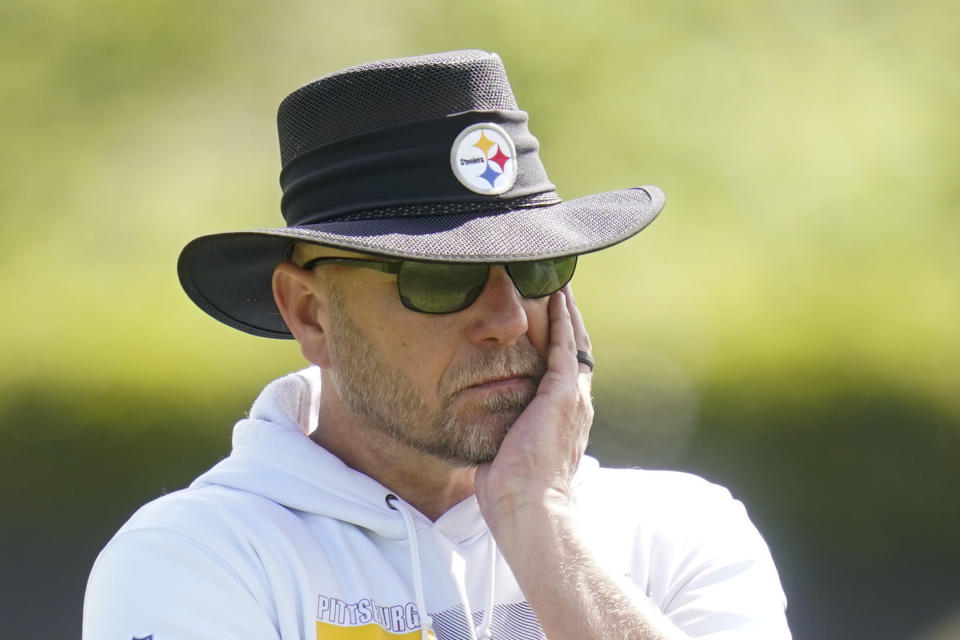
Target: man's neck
{"points": [[431, 485]]}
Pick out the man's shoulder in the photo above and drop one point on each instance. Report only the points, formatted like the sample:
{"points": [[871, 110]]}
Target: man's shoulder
{"points": [[679, 518], [193, 508], [675, 503], [208, 530], [655, 485], [216, 519], [182, 552], [188, 518]]}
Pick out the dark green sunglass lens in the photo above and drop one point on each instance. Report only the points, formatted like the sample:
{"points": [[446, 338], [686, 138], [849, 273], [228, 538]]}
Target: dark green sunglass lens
{"points": [[440, 288], [538, 279]]}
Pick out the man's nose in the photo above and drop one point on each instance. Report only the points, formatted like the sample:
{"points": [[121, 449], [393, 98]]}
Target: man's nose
{"points": [[498, 314]]}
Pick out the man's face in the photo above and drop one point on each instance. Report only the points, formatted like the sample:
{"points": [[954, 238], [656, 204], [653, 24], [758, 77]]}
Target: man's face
{"points": [[449, 385]]}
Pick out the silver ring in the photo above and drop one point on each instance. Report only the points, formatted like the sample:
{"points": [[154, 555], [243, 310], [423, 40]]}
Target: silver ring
{"points": [[585, 358]]}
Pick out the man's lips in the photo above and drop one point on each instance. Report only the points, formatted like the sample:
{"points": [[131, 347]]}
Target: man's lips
{"points": [[504, 383]]}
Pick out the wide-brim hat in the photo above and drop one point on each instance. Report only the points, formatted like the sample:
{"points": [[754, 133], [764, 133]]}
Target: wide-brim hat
{"points": [[426, 158]]}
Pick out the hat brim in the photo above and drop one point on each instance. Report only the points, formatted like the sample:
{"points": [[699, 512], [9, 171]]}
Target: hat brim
{"points": [[228, 275]]}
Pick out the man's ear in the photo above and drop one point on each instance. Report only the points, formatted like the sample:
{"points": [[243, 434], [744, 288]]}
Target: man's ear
{"points": [[302, 300]]}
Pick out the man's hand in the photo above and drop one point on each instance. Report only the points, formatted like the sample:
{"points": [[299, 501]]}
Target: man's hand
{"points": [[540, 453], [525, 496]]}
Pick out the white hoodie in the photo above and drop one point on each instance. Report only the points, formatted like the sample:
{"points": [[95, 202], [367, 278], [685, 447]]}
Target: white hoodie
{"points": [[281, 540]]}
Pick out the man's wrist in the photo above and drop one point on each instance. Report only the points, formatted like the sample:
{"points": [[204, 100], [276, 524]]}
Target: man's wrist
{"points": [[529, 511]]}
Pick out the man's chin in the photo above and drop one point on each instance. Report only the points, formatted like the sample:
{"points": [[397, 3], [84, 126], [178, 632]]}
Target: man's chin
{"points": [[475, 438], [467, 459]]}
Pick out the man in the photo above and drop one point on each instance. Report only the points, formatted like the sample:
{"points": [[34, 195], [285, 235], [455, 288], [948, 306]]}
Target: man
{"points": [[425, 477]]}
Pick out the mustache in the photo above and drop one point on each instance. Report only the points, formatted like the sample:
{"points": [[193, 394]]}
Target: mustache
{"points": [[519, 361]]}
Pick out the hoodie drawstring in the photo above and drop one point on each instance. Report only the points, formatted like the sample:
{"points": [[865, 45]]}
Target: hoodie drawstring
{"points": [[483, 631], [425, 620]]}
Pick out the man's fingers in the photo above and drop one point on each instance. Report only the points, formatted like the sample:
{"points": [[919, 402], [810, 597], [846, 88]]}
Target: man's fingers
{"points": [[579, 330], [563, 347], [581, 337]]}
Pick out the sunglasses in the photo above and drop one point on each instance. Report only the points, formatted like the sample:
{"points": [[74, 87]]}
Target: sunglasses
{"points": [[437, 287]]}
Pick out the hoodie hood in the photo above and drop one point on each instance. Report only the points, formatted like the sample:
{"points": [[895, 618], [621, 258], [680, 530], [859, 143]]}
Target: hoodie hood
{"points": [[273, 457]]}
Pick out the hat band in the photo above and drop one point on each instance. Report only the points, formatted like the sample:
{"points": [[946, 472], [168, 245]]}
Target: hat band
{"points": [[404, 164]]}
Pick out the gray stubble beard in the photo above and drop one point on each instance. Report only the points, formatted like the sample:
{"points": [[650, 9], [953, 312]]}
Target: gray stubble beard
{"points": [[388, 401]]}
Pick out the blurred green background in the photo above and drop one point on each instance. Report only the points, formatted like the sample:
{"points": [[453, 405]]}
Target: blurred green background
{"points": [[787, 328]]}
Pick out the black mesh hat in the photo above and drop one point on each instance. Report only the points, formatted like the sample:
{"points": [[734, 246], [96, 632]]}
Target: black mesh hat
{"points": [[425, 158]]}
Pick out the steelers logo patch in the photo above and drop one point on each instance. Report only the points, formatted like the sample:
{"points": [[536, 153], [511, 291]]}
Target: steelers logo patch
{"points": [[484, 159]]}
